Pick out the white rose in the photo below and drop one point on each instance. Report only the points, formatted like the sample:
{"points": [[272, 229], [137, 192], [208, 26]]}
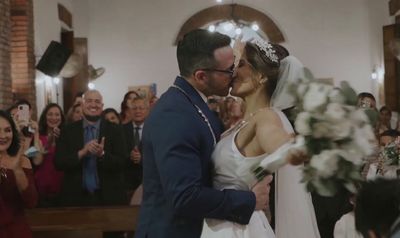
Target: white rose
{"points": [[321, 129], [341, 130], [355, 156], [364, 138], [326, 163], [336, 96], [335, 111], [316, 96], [301, 89], [322, 189], [302, 123], [359, 116]]}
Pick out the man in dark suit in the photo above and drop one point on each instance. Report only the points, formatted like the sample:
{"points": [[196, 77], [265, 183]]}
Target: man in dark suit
{"points": [[178, 138], [133, 135], [91, 153]]}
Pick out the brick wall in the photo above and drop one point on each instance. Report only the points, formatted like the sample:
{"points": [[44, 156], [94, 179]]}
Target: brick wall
{"points": [[22, 51], [5, 73]]}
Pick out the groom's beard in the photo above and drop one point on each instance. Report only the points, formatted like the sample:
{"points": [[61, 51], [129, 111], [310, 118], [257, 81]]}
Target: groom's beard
{"points": [[91, 118]]}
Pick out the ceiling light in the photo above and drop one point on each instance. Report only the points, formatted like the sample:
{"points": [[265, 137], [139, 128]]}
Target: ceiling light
{"points": [[238, 31], [91, 86], [255, 27], [211, 28], [228, 26]]}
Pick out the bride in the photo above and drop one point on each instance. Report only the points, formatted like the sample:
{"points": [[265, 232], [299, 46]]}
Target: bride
{"points": [[260, 80]]}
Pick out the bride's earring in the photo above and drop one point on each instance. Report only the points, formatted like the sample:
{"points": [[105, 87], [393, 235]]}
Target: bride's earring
{"points": [[264, 80]]}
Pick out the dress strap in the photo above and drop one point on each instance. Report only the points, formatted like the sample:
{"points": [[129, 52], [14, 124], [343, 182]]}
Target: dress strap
{"points": [[285, 121]]}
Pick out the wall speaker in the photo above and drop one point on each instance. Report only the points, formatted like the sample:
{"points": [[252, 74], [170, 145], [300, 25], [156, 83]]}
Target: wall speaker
{"points": [[53, 59]]}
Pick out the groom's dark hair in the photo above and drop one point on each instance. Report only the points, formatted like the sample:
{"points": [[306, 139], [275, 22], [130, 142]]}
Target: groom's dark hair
{"points": [[196, 50]]}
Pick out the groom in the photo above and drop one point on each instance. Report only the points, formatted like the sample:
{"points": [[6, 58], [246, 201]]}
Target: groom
{"points": [[178, 138]]}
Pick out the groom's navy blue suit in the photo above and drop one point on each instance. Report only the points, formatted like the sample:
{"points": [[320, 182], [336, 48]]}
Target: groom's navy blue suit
{"points": [[177, 167]]}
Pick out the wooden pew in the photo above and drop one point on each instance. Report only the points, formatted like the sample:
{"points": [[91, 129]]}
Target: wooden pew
{"points": [[79, 222]]}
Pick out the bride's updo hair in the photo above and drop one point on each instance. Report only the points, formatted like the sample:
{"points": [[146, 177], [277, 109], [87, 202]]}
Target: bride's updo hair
{"points": [[266, 64]]}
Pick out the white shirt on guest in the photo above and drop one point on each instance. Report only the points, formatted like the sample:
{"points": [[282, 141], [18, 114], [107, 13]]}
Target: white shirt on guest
{"points": [[140, 129], [346, 228]]}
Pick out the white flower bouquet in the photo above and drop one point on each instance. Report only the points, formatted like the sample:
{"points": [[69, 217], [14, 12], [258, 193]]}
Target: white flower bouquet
{"points": [[335, 134]]}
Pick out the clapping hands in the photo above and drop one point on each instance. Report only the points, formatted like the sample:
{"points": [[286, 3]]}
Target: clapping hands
{"points": [[95, 148], [135, 155]]}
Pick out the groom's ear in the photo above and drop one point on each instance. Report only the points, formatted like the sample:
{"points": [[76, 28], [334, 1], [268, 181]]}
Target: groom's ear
{"points": [[200, 77]]}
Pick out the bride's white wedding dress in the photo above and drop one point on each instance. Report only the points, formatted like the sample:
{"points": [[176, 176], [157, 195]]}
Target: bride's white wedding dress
{"points": [[295, 217]]}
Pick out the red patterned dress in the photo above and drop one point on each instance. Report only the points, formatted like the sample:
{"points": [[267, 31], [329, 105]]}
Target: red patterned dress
{"points": [[13, 223]]}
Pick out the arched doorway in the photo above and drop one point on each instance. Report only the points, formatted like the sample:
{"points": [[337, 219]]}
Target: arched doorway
{"points": [[239, 15]]}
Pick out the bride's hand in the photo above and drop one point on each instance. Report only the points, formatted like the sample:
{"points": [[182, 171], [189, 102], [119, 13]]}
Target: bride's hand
{"points": [[297, 156]]}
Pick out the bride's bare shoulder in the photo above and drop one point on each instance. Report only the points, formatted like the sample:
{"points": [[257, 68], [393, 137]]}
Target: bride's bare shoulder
{"points": [[268, 117]]}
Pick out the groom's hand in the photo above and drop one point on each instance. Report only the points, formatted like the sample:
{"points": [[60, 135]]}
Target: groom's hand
{"points": [[261, 190]]}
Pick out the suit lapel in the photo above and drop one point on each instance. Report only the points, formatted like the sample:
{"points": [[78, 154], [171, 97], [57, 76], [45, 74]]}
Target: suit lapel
{"points": [[198, 100], [78, 133]]}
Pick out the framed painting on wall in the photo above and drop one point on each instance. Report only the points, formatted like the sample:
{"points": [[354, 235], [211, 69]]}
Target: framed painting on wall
{"points": [[145, 91]]}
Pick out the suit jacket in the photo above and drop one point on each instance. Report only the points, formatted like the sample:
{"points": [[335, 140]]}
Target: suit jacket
{"points": [[109, 167], [132, 171], [177, 167]]}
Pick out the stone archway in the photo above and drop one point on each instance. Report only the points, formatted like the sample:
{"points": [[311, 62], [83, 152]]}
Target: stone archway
{"points": [[232, 12]]}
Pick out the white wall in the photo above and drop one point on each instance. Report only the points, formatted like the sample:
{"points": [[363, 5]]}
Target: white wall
{"points": [[47, 27], [133, 39]]}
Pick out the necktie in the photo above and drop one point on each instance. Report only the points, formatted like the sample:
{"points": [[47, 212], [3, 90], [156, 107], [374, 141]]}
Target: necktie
{"points": [[90, 165], [136, 137]]}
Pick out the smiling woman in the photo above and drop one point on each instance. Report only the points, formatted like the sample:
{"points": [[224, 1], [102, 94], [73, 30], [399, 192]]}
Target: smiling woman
{"points": [[47, 178], [17, 190]]}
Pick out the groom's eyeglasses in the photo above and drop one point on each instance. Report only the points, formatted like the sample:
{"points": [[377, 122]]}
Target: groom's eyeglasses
{"points": [[226, 71], [230, 72]]}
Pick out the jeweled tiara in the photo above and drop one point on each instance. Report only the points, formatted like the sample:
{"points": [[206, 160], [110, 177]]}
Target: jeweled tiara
{"points": [[267, 48]]}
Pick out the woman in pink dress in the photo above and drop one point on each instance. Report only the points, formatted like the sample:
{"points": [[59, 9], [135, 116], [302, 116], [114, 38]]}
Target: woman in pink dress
{"points": [[47, 178], [17, 190]]}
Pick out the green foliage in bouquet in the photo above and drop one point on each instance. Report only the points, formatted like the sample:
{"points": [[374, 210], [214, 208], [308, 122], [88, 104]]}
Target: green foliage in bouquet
{"points": [[338, 136]]}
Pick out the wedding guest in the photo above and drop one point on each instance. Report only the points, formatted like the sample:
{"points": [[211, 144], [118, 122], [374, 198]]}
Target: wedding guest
{"points": [[213, 105], [29, 134], [225, 110], [388, 137], [236, 113], [383, 124], [74, 113], [47, 178], [125, 112], [17, 189], [379, 166], [377, 211], [133, 135], [12, 110], [366, 100], [153, 101], [91, 152], [345, 227], [111, 115]]}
